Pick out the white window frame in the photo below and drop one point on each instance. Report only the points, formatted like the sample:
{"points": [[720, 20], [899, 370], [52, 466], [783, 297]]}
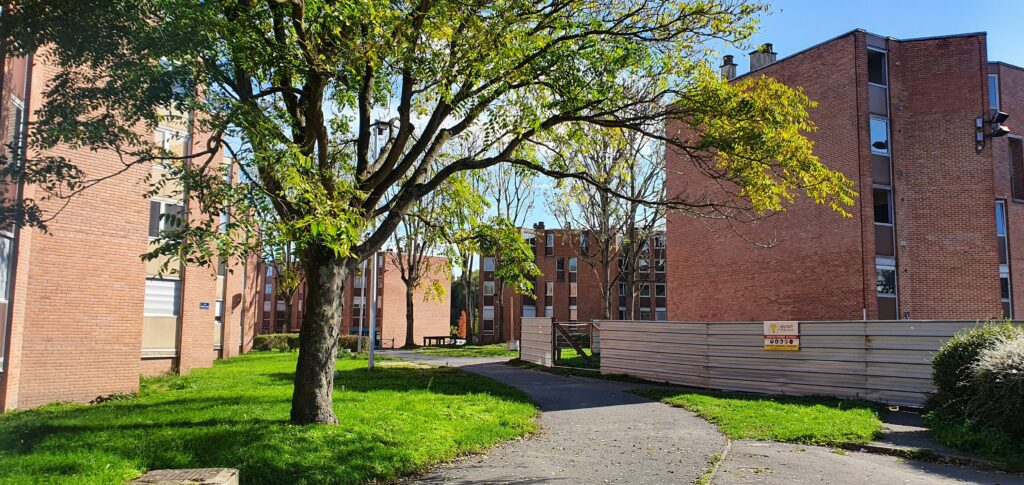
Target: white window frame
{"points": [[488, 288], [885, 68], [176, 298], [549, 240], [888, 136], [664, 290], [488, 263], [623, 291], [660, 314], [549, 288], [572, 264], [161, 225], [645, 290], [993, 92], [549, 311]]}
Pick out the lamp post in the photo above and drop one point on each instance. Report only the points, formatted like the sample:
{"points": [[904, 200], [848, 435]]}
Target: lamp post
{"points": [[362, 311], [373, 309]]}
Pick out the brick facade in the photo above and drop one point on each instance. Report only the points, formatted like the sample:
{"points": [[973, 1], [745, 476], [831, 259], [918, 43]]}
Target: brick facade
{"points": [[586, 305], [431, 314], [75, 325], [824, 267]]}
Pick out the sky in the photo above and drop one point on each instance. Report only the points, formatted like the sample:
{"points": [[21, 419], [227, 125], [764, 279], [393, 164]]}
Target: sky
{"points": [[794, 25]]}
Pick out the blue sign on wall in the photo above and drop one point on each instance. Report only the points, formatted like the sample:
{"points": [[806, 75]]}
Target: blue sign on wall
{"points": [[204, 305]]}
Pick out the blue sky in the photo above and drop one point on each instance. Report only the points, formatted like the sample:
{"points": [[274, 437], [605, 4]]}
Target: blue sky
{"points": [[794, 25]]}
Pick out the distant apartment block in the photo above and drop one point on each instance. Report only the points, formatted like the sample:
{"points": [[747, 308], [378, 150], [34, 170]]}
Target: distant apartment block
{"points": [[81, 315], [916, 125], [431, 315], [569, 287]]}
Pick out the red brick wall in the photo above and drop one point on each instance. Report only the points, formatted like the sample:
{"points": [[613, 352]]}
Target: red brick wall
{"points": [[431, 316], [79, 290], [823, 267], [945, 216], [816, 268], [1011, 87]]}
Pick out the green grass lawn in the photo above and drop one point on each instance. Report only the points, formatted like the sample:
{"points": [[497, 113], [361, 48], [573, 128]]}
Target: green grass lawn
{"points": [[809, 420], [571, 358], [394, 421], [985, 441], [489, 350]]}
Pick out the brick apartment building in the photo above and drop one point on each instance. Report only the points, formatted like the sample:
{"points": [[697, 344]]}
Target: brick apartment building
{"points": [[81, 315], [569, 288], [431, 315], [932, 235]]}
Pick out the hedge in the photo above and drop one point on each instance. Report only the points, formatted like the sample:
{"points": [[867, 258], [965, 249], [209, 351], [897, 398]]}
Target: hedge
{"points": [[290, 341]]}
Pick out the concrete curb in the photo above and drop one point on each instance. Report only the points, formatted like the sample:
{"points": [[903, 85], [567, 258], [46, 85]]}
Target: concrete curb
{"points": [[710, 476], [922, 454]]}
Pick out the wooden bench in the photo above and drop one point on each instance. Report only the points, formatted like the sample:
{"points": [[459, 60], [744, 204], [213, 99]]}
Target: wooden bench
{"points": [[437, 340]]}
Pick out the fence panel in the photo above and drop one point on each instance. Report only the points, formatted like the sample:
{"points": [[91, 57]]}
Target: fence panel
{"points": [[535, 344], [881, 361]]}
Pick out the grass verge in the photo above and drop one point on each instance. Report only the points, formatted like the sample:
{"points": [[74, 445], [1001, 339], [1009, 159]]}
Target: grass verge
{"points": [[571, 358], [989, 443], [394, 421], [578, 372], [808, 420], [489, 350]]}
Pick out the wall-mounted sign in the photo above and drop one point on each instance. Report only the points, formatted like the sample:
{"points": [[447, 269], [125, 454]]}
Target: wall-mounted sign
{"points": [[204, 305], [782, 335]]}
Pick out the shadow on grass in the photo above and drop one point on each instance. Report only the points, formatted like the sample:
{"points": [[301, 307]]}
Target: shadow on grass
{"points": [[393, 422]]}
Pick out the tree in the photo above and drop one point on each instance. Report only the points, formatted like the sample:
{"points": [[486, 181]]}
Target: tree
{"points": [[612, 230], [511, 194], [289, 89]]}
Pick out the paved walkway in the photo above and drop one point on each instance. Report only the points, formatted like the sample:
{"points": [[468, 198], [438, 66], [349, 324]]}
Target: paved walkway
{"points": [[594, 431]]}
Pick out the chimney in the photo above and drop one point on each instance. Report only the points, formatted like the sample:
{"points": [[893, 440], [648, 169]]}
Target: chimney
{"points": [[763, 56], [728, 68], [539, 226]]}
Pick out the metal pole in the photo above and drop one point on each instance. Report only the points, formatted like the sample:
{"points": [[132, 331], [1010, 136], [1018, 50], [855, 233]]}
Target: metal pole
{"points": [[362, 311], [373, 309]]}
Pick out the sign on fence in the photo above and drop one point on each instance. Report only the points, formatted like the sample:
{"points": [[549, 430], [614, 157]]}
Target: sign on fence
{"points": [[782, 335]]}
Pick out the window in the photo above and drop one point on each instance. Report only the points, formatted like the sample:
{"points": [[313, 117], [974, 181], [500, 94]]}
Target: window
{"points": [[659, 242], [883, 206], [488, 320], [885, 280], [622, 313], [645, 313], [622, 289], [224, 221], [266, 307], [549, 311], [163, 298], [573, 315], [645, 290], [660, 314], [572, 289], [171, 141], [660, 290], [270, 270], [488, 313], [5, 270], [993, 92], [549, 243], [877, 68], [1004, 250], [549, 288], [1004, 296], [17, 130], [268, 289], [218, 311], [584, 240], [1017, 167], [560, 269], [572, 265], [164, 216], [222, 267], [529, 311], [644, 264], [488, 288], [489, 264], [879, 136], [659, 265]]}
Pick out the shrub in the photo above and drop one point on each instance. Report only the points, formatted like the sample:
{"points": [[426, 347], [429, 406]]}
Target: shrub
{"points": [[998, 381], [351, 342], [951, 366], [276, 341]]}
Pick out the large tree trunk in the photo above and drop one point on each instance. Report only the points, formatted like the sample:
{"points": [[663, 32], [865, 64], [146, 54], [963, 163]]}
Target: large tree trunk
{"points": [[410, 340], [312, 399]]}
